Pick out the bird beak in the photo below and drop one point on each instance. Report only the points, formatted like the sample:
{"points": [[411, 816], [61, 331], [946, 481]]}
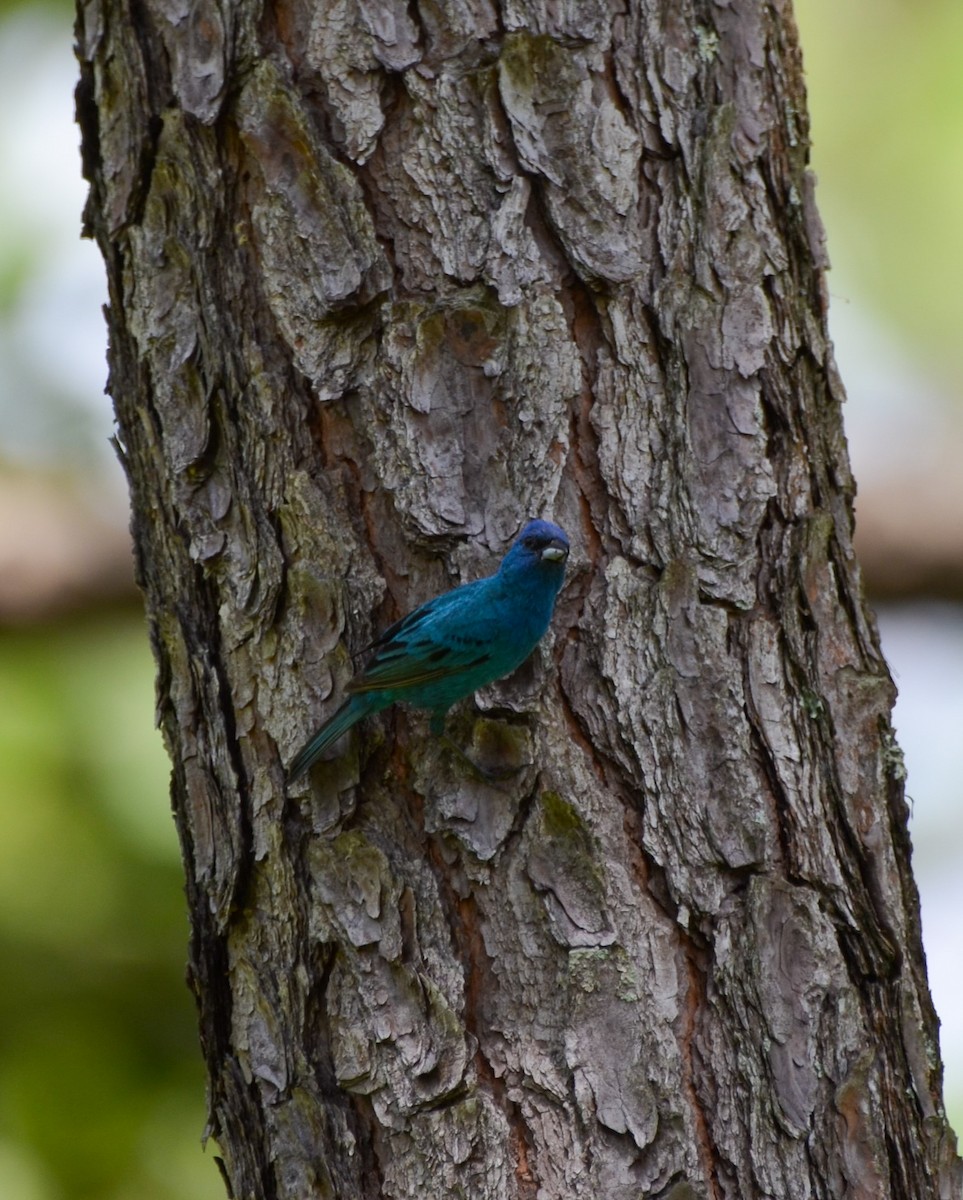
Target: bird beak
{"points": [[555, 552]]}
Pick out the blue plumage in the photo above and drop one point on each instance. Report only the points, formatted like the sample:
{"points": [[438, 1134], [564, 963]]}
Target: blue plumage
{"points": [[458, 642]]}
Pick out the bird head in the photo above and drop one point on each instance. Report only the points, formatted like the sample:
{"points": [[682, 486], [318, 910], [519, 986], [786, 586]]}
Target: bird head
{"points": [[540, 545]]}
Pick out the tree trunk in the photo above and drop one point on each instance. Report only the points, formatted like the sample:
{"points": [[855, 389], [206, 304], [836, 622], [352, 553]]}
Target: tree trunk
{"points": [[385, 280]]}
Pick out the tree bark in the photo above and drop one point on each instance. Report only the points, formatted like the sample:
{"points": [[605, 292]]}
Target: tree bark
{"points": [[385, 280]]}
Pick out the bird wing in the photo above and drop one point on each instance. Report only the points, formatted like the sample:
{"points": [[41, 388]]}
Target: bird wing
{"points": [[436, 641]]}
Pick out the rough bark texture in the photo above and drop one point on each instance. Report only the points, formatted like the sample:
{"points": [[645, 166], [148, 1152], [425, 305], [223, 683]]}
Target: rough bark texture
{"points": [[385, 280]]}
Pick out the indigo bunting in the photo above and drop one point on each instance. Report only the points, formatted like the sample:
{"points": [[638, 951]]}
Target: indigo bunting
{"points": [[456, 643]]}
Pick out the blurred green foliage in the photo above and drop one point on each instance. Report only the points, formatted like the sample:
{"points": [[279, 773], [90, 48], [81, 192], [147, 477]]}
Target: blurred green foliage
{"points": [[101, 1082], [63, 7], [885, 82]]}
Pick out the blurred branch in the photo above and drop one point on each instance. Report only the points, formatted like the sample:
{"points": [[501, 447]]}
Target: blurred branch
{"points": [[60, 547], [909, 502], [909, 532]]}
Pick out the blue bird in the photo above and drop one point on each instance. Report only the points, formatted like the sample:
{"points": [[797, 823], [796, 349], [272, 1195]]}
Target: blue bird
{"points": [[455, 644]]}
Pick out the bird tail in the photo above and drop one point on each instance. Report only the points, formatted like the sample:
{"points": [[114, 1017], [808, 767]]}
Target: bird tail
{"points": [[351, 711]]}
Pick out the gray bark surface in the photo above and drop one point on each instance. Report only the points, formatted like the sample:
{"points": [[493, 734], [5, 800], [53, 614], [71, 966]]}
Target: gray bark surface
{"points": [[386, 279]]}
